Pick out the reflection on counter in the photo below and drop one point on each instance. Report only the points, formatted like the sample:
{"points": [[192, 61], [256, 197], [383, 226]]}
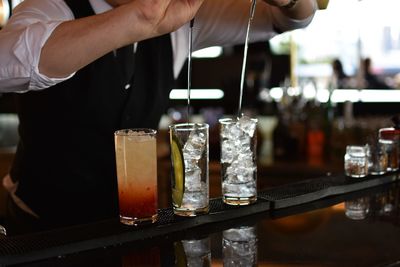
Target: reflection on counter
{"points": [[384, 206], [308, 238], [194, 252], [357, 209], [239, 246]]}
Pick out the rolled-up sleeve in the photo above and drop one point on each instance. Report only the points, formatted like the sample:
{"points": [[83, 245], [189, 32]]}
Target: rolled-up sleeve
{"points": [[284, 23], [21, 42], [225, 23]]}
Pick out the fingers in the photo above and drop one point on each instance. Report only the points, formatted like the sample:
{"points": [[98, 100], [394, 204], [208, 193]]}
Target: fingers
{"points": [[176, 13]]}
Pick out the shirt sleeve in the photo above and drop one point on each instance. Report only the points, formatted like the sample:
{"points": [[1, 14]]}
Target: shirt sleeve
{"points": [[225, 23], [21, 42], [284, 23]]}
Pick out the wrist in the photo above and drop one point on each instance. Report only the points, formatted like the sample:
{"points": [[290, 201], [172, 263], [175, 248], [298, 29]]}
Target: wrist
{"points": [[289, 5]]}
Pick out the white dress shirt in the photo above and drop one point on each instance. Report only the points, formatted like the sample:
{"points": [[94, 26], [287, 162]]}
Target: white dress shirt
{"points": [[218, 23]]}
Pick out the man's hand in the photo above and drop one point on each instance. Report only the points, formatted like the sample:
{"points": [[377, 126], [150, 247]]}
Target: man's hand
{"points": [[300, 10], [278, 3], [164, 16]]}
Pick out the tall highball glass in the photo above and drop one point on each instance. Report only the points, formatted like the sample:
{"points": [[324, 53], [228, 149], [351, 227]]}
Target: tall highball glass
{"points": [[136, 159], [189, 158], [238, 160]]}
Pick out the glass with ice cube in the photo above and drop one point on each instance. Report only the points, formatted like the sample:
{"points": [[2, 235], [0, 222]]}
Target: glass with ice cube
{"points": [[189, 158], [197, 252], [238, 140], [239, 246]]}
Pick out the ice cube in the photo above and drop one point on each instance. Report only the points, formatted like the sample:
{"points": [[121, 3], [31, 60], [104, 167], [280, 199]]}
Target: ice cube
{"points": [[241, 170], [231, 131], [193, 179], [228, 151], [194, 147], [245, 160], [195, 141], [239, 247], [196, 199], [247, 125], [243, 142], [242, 190], [244, 233], [196, 247]]}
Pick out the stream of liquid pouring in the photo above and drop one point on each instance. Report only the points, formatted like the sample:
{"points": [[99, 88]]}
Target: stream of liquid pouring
{"points": [[189, 69], [242, 77]]}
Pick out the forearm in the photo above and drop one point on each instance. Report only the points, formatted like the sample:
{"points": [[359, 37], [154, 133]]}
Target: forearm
{"points": [[77, 43]]}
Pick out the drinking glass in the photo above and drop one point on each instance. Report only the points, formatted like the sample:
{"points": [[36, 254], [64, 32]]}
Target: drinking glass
{"points": [[238, 160], [189, 158], [136, 159], [377, 158], [391, 136], [392, 150], [356, 161]]}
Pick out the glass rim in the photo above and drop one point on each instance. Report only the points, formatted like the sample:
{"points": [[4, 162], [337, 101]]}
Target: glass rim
{"points": [[387, 141], [356, 148], [234, 120], [189, 126], [136, 132]]}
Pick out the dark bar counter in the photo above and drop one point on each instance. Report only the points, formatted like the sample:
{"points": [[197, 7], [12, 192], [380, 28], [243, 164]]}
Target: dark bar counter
{"points": [[306, 223]]}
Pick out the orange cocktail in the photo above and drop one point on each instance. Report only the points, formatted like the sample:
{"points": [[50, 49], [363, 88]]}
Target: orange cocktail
{"points": [[136, 159]]}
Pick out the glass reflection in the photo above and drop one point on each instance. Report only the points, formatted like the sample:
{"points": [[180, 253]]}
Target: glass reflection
{"points": [[384, 206], [357, 209], [193, 253], [239, 246]]}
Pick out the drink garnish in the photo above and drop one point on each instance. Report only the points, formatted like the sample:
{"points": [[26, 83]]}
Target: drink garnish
{"points": [[180, 255], [178, 188]]}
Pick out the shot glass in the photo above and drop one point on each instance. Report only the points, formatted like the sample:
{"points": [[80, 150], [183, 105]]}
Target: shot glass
{"points": [[392, 134], [377, 158], [239, 246], [189, 158], [392, 150], [136, 159], [356, 161], [238, 160]]}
